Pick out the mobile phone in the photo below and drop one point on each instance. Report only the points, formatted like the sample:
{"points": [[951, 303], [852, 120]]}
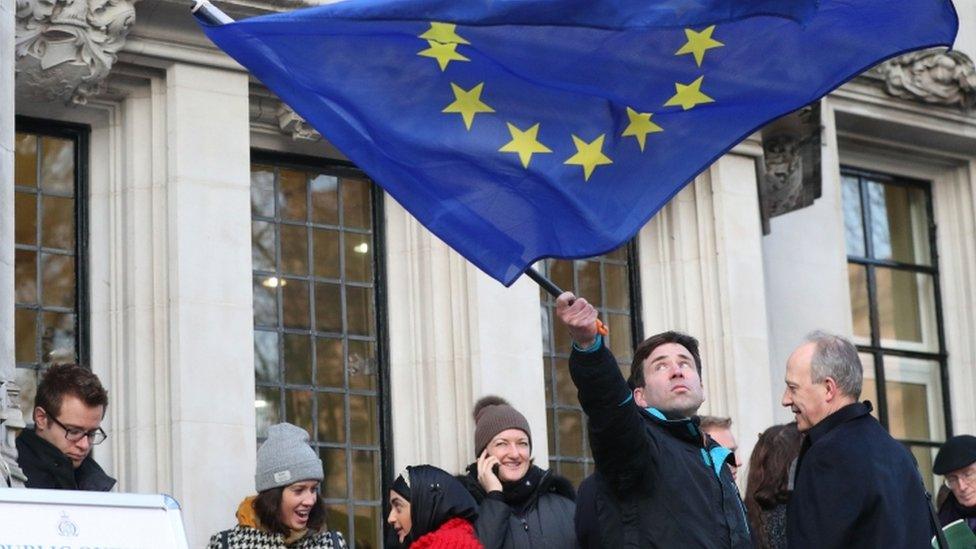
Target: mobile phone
{"points": [[494, 469]]}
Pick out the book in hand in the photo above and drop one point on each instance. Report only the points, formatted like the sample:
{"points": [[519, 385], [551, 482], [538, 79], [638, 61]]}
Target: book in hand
{"points": [[959, 536]]}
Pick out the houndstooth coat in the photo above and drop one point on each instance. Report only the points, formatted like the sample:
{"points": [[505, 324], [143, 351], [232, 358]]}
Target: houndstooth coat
{"points": [[245, 537]]}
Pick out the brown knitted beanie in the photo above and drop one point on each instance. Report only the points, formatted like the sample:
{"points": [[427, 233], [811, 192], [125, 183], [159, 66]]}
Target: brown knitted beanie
{"points": [[493, 415]]}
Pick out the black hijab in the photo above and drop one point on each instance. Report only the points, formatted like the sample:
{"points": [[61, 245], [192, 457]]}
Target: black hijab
{"points": [[435, 497]]}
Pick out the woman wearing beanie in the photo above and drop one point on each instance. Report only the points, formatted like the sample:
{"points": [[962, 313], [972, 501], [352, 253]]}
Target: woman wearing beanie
{"points": [[288, 511], [519, 505], [429, 509]]}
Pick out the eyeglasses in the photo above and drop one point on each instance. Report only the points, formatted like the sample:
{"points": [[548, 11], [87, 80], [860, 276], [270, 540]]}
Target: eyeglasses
{"points": [[953, 481], [95, 436]]}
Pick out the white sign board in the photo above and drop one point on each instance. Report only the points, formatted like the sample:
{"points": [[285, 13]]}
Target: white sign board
{"points": [[66, 519]]}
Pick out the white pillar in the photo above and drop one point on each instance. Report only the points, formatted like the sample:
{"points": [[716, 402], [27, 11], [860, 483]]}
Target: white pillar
{"points": [[455, 335], [806, 269], [702, 273], [211, 340]]}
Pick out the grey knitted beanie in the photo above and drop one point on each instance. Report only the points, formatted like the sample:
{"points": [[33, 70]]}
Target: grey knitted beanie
{"points": [[493, 415], [286, 458]]}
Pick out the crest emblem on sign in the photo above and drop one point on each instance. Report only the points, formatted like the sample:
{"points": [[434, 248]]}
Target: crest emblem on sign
{"points": [[67, 528]]}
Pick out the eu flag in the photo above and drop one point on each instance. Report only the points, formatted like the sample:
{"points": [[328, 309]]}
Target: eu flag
{"points": [[522, 129]]}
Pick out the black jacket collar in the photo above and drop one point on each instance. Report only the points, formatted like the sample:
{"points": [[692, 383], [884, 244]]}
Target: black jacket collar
{"points": [[845, 414], [47, 467]]}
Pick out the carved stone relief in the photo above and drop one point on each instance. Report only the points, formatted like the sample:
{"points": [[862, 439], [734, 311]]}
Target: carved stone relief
{"points": [[66, 48], [790, 168], [11, 422], [933, 76], [292, 124]]}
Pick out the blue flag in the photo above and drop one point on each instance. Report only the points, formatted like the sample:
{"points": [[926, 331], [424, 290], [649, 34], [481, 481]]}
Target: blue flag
{"points": [[522, 129]]}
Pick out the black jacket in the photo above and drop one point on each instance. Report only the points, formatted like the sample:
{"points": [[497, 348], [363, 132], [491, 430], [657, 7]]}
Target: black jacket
{"points": [[951, 510], [46, 467], [543, 520], [661, 483], [856, 487]]}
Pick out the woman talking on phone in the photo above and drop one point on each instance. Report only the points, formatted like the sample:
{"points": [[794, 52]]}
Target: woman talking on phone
{"points": [[519, 505]]}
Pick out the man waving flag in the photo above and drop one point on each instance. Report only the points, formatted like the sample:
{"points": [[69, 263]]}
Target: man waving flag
{"points": [[521, 129]]}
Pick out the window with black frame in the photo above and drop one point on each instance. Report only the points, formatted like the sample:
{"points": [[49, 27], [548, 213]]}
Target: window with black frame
{"points": [[50, 315], [318, 328], [609, 282], [896, 309]]}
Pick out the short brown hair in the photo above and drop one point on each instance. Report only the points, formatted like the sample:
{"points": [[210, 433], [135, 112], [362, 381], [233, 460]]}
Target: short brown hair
{"points": [[69, 379], [647, 347], [715, 422], [268, 504]]}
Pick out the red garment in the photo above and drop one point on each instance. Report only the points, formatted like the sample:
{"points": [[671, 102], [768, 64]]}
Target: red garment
{"points": [[456, 533]]}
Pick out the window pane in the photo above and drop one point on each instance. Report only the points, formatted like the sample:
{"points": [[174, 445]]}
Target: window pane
{"points": [[58, 230], [267, 403], [334, 461], [561, 272], [573, 471], [298, 409], [332, 417], [618, 287], [266, 357], [58, 338], [906, 309], [262, 191], [359, 310], [262, 246], [899, 223], [359, 258], [565, 389], [857, 277], [368, 526], [25, 161], [57, 165], [266, 301], [620, 254], [25, 332], [58, 280], [294, 250], [362, 365], [589, 282], [869, 387], [365, 475], [329, 364], [328, 308], [925, 456], [298, 359], [325, 247], [356, 204], [325, 200], [620, 339], [570, 433], [363, 420], [914, 391], [294, 294], [292, 195], [25, 277], [25, 218], [853, 219]]}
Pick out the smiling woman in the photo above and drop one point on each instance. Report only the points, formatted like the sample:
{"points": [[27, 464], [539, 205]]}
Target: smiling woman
{"points": [[288, 511]]}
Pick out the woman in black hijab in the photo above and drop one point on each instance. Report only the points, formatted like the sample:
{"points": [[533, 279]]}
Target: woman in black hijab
{"points": [[430, 509]]}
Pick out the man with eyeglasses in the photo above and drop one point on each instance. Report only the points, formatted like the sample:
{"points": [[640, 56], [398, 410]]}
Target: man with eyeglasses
{"points": [[68, 411], [956, 460]]}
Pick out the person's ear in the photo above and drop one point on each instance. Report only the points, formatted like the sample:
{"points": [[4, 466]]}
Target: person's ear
{"points": [[40, 418], [639, 397], [831, 388]]}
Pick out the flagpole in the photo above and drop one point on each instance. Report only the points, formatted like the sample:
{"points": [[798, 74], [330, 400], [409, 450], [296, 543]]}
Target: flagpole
{"points": [[555, 291], [209, 13]]}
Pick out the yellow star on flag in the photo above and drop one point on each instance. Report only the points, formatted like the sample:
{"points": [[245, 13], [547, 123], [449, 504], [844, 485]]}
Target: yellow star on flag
{"points": [[445, 33], [467, 103], [443, 53], [640, 125], [698, 43], [589, 155], [689, 95], [525, 143]]}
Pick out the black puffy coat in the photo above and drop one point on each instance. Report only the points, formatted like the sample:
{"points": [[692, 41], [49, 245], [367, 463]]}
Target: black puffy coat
{"points": [[661, 483], [544, 520], [856, 487]]}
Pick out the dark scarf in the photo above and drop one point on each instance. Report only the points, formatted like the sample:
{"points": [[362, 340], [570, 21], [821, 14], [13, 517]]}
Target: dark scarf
{"points": [[520, 494], [435, 498]]}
